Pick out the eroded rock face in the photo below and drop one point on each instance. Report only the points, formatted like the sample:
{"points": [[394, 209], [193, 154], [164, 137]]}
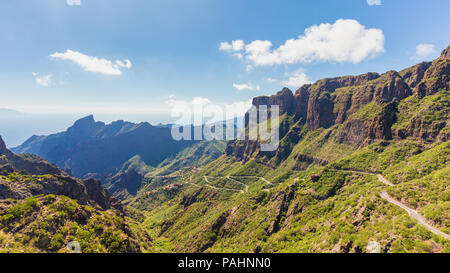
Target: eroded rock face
{"points": [[415, 74], [284, 99], [436, 76], [335, 101]]}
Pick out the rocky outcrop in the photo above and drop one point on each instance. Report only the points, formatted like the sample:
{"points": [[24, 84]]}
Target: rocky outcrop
{"points": [[34, 176], [414, 75], [284, 99], [281, 203], [436, 77], [340, 101], [445, 53], [97, 193]]}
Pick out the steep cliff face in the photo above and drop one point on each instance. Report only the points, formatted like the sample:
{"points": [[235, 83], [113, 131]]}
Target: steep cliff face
{"points": [[284, 99], [368, 107]]}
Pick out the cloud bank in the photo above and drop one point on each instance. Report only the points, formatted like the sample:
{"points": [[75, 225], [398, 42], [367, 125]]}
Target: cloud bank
{"points": [[344, 41]]}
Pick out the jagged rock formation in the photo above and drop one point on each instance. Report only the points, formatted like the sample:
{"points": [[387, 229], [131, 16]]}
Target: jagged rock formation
{"points": [[363, 108]]}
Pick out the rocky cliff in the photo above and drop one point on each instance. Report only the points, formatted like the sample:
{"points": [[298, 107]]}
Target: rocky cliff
{"points": [[362, 108]]}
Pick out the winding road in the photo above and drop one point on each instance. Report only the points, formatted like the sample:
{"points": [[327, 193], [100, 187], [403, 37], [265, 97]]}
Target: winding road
{"points": [[384, 195], [233, 178], [216, 188], [412, 213], [239, 182]]}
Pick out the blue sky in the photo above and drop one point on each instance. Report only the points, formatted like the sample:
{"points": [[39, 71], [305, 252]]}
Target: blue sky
{"points": [[132, 57]]}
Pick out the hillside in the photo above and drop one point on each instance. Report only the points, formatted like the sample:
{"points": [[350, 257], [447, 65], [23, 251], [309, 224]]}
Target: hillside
{"points": [[353, 149], [135, 173]]}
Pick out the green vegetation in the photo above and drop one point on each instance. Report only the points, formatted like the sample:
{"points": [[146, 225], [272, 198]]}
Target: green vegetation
{"points": [[431, 111], [322, 190], [49, 223]]}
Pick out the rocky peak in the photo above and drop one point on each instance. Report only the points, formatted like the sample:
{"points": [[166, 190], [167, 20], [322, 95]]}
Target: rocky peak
{"points": [[283, 98], [445, 53], [89, 120], [436, 76], [84, 125]]}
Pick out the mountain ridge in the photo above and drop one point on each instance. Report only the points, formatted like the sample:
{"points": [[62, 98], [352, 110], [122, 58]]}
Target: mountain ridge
{"points": [[95, 149], [333, 101]]}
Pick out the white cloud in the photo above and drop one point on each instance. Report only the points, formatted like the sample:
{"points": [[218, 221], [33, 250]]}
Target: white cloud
{"points": [[344, 41], [236, 45], [297, 79], [94, 64], [225, 46], [271, 80], [246, 86], [127, 64], [424, 51], [374, 2], [73, 2], [44, 81]]}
